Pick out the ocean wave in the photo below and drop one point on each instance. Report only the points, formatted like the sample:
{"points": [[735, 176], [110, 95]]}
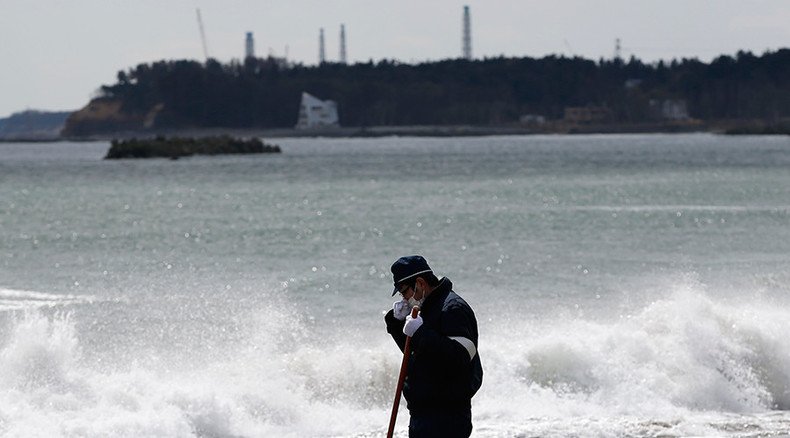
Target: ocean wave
{"points": [[683, 365], [673, 208], [274, 386], [13, 299], [684, 355]]}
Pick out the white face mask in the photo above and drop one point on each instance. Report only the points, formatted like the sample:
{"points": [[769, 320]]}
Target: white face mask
{"points": [[414, 302]]}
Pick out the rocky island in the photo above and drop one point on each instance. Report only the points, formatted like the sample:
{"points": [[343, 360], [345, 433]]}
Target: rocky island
{"points": [[176, 147]]}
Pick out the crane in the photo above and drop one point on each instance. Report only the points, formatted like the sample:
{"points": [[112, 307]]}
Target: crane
{"points": [[202, 34]]}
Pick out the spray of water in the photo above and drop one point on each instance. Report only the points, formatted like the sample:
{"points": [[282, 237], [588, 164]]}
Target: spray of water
{"points": [[680, 360], [684, 364]]}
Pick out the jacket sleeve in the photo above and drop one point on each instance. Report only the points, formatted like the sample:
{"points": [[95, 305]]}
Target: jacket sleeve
{"points": [[456, 321], [395, 328]]}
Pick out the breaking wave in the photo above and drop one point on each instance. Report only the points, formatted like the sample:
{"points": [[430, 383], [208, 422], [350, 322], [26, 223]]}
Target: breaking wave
{"points": [[682, 358], [273, 387], [11, 299], [683, 365]]}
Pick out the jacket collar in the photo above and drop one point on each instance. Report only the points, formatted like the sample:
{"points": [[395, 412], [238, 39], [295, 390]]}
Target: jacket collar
{"points": [[438, 294]]}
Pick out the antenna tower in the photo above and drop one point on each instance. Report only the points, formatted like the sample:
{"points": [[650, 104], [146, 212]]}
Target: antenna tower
{"points": [[617, 49], [467, 39], [342, 43], [321, 50], [202, 34]]}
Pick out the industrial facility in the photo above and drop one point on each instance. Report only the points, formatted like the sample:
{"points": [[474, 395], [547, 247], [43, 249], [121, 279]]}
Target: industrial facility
{"points": [[249, 46], [316, 113], [249, 42], [467, 35], [343, 59]]}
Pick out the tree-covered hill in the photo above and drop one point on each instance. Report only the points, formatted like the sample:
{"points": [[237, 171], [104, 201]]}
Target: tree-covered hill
{"points": [[33, 125], [261, 93]]}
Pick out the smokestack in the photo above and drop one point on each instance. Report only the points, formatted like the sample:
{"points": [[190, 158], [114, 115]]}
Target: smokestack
{"points": [[467, 37], [343, 44], [321, 50], [249, 46]]}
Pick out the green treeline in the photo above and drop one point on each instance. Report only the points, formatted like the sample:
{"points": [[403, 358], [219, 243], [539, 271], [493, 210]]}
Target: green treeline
{"points": [[262, 93]]}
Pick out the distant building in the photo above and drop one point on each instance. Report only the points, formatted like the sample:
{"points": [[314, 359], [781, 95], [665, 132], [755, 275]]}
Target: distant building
{"points": [[316, 113], [466, 38], [343, 58], [249, 46], [586, 114], [532, 119], [321, 47]]}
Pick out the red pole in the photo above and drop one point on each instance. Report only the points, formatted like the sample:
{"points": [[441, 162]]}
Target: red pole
{"points": [[402, 378]]}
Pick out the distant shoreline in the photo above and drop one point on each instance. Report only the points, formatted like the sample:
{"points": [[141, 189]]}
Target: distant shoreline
{"points": [[381, 131], [731, 128]]}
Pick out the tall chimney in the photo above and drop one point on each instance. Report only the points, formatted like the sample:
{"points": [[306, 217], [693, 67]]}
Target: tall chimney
{"points": [[343, 59], [467, 37], [249, 46], [321, 49]]}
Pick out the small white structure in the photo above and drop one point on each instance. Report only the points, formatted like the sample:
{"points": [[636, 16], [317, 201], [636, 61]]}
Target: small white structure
{"points": [[316, 113], [532, 119]]}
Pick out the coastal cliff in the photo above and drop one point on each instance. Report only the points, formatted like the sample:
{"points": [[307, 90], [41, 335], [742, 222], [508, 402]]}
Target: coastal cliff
{"points": [[107, 115]]}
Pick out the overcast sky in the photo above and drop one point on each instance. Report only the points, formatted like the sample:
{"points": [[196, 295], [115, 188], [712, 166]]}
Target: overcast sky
{"points": [[54, 54]]}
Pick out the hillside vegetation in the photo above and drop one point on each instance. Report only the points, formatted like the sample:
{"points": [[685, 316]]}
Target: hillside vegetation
{"points": [[261, 93]]}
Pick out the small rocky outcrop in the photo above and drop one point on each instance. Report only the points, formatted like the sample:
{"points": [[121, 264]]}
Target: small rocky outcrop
{"points": [[176, 147]]}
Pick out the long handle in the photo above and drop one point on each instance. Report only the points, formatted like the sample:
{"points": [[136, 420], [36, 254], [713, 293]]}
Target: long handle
{"points": [[402, 378]]}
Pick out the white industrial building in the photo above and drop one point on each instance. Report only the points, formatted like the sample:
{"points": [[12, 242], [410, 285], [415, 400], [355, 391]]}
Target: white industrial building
{"points": [[316, 113]]}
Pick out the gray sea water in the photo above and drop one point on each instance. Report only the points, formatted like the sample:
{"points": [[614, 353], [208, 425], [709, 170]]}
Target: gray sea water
{"points": [[625, 285]]}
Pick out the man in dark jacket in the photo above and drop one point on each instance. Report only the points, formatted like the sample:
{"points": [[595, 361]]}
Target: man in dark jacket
{"points": [[444, 367]]}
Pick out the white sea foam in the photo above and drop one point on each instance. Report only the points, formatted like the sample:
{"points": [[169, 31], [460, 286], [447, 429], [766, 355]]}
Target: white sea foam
{"points": [[677, 208], [13, 299], [273, 387], [685, 361], [684, 365]]}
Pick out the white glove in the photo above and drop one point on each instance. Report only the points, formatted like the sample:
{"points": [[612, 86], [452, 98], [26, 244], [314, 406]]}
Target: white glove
{"points": [[412, 324], [401, 309]]}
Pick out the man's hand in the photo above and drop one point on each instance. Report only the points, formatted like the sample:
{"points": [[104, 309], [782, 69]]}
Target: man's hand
{"points": [[412, 324], [400, 309]]}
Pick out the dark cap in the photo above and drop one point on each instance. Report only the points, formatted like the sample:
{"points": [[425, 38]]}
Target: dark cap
{"points": [[406, 268]]}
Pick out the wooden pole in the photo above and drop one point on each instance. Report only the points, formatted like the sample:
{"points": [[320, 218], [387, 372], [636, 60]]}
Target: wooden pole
{"points": [[402, 378]]}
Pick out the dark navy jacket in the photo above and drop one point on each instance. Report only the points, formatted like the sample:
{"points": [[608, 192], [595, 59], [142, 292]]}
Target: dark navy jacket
{"points": [[441, 376]]}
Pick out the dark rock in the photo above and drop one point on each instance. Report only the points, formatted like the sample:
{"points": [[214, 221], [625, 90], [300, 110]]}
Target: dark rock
{"points": [[177, 147]]}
